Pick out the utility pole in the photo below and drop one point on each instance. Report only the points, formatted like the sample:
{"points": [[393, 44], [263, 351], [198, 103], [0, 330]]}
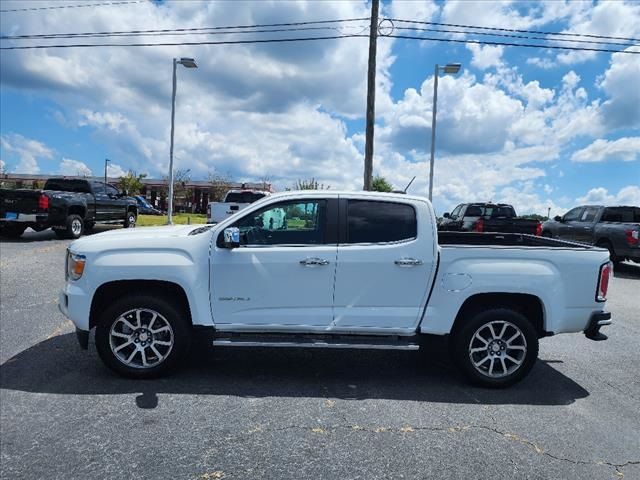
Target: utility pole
{"points": [[371, 96]]}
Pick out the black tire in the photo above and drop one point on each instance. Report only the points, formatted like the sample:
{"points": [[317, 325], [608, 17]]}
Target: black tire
{"points": [[463, 341], [612, 253], [73, 228], [12, 230], [547, 234], [130, 219], [179, 334]]}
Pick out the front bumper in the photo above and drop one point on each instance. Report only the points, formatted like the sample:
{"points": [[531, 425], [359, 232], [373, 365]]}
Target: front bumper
{"points": [[597, 321]]}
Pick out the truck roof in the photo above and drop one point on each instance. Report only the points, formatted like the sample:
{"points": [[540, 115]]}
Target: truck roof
{"points": [[346, 193]]}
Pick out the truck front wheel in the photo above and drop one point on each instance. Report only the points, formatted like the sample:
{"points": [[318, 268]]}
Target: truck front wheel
{"points": [[130, 220], [142, 336], [495, 348]]}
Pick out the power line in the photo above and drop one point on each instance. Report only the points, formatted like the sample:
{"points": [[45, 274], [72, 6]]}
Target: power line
{"points": [[507, 44], [525, 37], [170, 44], [171, 34], [103, 4], [195, 29], [536, 32]]}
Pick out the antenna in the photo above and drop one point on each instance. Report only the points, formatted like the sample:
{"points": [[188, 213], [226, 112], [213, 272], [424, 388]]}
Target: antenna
{"points": [[409, 184]]}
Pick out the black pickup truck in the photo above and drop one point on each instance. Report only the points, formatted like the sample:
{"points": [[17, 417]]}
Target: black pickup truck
{"points": [[69, 206], [488, 217], [614, 228]]}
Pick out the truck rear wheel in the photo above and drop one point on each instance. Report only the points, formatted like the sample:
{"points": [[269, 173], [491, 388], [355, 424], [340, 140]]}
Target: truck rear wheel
{"points": [[495, 348], [73, 228], [141, 336]]}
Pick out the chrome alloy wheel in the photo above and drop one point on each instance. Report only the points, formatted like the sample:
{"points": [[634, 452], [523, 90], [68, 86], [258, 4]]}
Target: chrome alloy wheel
{"points": [[132, 220], [141, 338], [76, 226], [497, 349]]}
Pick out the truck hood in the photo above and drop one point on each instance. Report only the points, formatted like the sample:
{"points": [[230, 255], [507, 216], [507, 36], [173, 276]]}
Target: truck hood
{"points": [[134, 238]]}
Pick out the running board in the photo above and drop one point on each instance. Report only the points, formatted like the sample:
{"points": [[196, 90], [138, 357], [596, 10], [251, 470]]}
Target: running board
{"points": [[368, 342]]}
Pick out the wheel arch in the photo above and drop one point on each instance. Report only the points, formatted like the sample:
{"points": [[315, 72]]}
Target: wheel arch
{"points": [[528, 305], [106, 292], [77, 209]]}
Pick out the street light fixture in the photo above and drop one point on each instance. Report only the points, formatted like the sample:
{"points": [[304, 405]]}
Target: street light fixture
{"points": [[187, 63], [449, 68]]}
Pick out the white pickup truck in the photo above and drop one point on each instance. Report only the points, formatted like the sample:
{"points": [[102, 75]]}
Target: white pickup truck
{"points": [[341, 270], [234, 201]]}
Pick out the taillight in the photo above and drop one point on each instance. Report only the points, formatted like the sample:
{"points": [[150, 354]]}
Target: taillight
{"points": [[632, 237], [479, 225], [539, 229], [603, 282], [43, 202]]}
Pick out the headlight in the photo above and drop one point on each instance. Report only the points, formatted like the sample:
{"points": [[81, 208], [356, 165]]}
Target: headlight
{"points": [[75, 265]]}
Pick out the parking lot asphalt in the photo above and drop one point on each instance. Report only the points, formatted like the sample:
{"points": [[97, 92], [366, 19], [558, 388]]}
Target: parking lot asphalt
{"points": [[260, 413]]}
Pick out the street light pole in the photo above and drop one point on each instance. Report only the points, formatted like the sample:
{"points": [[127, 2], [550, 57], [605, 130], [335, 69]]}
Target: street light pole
{"points": [[173, 118], [433, 129], [106, 161], [448, 68], [188, 63]]}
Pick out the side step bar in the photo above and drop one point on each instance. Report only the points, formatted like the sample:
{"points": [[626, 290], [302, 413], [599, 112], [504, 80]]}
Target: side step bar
{"points": [[368, 342]]}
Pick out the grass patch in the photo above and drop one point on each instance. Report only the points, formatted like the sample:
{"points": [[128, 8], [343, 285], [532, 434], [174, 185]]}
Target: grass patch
{"points": [[178, 219]]}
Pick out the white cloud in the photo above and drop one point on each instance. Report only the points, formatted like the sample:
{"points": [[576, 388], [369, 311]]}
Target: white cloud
{"points": [[74, 167], [421, 11], [544, 63], [486, 56], [115, 170], [27, 150], [629, 195], [622, 109], [612, 18], [626, 149]]}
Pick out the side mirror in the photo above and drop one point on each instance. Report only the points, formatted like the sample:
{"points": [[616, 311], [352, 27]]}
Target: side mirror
{"points": [[446, 215], [558, 218], [125, 193], [231, 237]]}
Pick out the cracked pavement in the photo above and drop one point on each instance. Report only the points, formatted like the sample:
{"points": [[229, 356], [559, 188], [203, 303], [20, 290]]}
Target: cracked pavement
{"points": [[260, 413]]}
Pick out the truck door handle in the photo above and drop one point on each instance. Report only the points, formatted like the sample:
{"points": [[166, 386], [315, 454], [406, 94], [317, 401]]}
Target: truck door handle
{"points": [[408, 262], [314, 262]]}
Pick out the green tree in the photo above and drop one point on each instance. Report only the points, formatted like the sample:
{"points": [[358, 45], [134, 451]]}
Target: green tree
{"points": [[380, 184], [309, 184], [132, 182]]}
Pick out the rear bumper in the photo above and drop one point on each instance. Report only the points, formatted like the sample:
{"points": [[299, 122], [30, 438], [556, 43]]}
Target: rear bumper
{"points": [[26, 218], [596, 322]]}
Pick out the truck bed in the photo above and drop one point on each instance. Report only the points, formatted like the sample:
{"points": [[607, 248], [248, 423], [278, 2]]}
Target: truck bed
{"points": [[504, 240]]}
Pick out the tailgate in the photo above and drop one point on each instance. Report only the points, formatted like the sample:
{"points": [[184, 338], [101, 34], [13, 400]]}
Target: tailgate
{"points": [[220, 211], [511, 225], [18, 201]]}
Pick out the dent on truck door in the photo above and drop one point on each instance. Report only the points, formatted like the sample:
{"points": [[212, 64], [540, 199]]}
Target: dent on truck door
{"points": [[384, 267], [284, 270]]}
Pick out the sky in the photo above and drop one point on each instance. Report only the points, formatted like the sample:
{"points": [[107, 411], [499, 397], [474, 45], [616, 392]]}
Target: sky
{"points": [[538, 128]]}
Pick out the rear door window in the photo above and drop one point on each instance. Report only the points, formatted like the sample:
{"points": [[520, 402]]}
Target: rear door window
{"points": [[621, 215], [589, 214], [380, 222]]}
